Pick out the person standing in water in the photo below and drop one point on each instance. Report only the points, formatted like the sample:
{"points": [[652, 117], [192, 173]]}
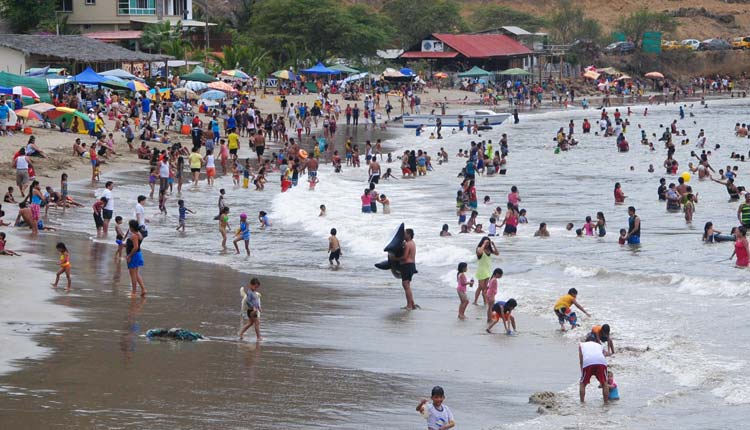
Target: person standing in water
{"points": [[741, 249], [484, 251], [65, 264], [134, 257], [634, 227], [409, 267], [334, 248]]}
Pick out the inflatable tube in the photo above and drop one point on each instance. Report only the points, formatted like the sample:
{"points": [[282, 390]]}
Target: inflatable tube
{"points": [[302, 154], [395, 250], [173, 333], [724, 237]]}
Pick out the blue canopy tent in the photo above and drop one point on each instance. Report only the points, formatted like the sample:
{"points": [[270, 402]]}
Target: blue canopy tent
{"points": [[407, 71], [90, 77], [320, 69]]}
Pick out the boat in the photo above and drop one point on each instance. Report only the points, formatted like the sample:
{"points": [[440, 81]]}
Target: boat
{"points": [[483, 117]]}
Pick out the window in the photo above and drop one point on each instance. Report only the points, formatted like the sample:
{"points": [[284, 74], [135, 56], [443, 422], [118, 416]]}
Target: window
{"points": [[65, 6], [90, 2], [136, 7]]}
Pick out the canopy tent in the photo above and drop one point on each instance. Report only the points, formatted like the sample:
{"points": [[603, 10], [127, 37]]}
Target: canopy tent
{"points": [[357, 77], [39, 85], [90, 77], [198, 74], [343, 68], [122, 74], [474, 72], [395, 75], [515, 72], [320, 69], [407, 71]]}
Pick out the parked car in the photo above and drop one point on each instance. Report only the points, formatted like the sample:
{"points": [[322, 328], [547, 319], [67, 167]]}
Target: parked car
{"points": [[741, 42], [672, 45], [693, 44], [714, 45], [619, 48]]}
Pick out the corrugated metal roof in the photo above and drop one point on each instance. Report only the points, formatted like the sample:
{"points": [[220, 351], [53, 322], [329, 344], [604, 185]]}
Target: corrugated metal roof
{"points": [[114, 35], [483, 45], [428, 54], [518, 31]]}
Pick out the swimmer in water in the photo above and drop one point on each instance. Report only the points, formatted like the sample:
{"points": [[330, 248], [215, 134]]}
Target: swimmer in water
{"points": [[322, 210]]}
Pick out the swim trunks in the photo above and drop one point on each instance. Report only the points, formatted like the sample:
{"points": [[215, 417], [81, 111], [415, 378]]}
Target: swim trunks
{"points": [[407, 271]]}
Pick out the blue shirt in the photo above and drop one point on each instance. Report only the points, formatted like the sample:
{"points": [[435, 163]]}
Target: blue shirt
{"points": [[4, 109], [231, 122], [183, 212], [145, 105], [244, 231]]}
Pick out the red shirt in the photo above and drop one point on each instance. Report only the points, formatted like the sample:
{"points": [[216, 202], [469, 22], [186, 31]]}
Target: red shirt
{"points": [[619, 196]]}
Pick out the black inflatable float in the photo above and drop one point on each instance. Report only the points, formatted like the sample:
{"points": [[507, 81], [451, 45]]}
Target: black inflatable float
{"points": [[395, 250], [173, 333]]}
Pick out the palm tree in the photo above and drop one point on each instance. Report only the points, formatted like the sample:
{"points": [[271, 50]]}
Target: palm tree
{"points": [[156, 37]]}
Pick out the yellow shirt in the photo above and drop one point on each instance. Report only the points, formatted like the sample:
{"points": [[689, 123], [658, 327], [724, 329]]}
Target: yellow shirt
{"points": [[98, 124], [234, 141], [565, 301], [195, 160]]}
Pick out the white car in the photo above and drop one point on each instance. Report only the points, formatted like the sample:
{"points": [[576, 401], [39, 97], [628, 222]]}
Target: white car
{"points": [[692, 43]]}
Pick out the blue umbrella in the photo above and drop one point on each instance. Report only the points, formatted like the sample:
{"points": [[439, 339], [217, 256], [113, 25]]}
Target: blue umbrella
{"points": [[406, 71], [214, 95]]}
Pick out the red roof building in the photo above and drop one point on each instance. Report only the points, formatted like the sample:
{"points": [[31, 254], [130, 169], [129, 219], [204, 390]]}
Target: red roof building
{"points": [[490, 51]]}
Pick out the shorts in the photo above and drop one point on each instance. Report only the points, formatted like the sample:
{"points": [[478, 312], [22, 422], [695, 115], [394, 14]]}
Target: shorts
{"points": [[252, 314], [375, 178], [195, 169], [210, 172], [107, 213], [182, 222], [233, 151], [335, 255], [22, 177], [510, 229], [93, 162], [562, 315], [3, 123], [407, 271], [598, 370], [634, 240], [136, 261], [35, 211], [366, 210], [422, 169], [98, 221], [259, 150], [312, 174]]}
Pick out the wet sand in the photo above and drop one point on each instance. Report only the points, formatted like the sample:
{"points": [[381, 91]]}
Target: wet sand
{"points": [[332, 359]]}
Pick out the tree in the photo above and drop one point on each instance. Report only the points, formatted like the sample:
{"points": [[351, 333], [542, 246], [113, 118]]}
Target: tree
{"points": [[26, 15], [416, 19], [493, 16], [640, 21], [250, 58], [156, 37], [569, 23]]}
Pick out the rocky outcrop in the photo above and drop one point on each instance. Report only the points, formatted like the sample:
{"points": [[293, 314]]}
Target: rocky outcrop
{"points": [[688, 12]]}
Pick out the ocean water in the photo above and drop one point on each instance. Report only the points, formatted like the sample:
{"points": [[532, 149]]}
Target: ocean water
{"points": [[674, 304]]}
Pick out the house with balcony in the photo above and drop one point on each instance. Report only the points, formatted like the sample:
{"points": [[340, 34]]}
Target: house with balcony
{"points": [[123, 20]]}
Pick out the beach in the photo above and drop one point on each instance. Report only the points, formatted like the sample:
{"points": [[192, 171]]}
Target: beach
{"points": [[341, 354]]}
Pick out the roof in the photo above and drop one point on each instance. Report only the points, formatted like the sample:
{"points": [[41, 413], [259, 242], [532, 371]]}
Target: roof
{"points": [[483, 45], [115, 35], [172, 19], [518, 31], [428, 54], [74, 48]]}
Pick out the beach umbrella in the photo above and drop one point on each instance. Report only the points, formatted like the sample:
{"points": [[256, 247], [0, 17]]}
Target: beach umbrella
{"points": [[61, 113], [137, 86], [164, 93], [196, 86], [623, 78], [28, 114], [591, 74], [222, 86], [20, 91], [40, 107], [440, 75], [284, 74], [237, 74], [213, 95], [654, 75]]}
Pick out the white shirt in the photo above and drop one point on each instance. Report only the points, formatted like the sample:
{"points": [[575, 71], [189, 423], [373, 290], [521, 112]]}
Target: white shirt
{"points": [[22, 163], [110, 206], [592, 354], [164, 169], [210, 161], [140, 214], [436, 418]]}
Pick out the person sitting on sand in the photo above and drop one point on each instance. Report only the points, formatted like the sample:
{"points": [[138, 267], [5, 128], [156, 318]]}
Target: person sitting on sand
{"points": [[144, 152], [8, 198], [25, 218], [3, 249], [32, 150]]}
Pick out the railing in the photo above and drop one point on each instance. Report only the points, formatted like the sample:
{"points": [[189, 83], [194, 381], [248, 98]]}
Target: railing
{"points": [[124, 8]]}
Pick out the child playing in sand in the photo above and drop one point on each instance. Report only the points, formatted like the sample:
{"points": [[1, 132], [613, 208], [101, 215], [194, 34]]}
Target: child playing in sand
{"points": [[64, 265], [461, 289], [251, 299], [3, 249], [334, 248], [183, 214], [243, 233], [119, 237], [438, 415], [502, 310]]}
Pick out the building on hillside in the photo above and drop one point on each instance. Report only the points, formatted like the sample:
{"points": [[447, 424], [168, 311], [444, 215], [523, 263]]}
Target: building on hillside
{"points": [[533, 41], [493, 52], [19, 52]]}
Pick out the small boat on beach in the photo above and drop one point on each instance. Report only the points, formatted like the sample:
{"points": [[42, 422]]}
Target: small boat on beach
{"points": [[483, 117]]}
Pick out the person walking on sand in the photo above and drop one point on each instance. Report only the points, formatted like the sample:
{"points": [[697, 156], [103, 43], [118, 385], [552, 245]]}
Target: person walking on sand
{"points": [[64, 265], [251, 301], [484, 252], [134, 257], [409, 267]]}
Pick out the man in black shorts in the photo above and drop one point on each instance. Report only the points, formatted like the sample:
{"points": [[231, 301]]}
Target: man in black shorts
{"points": [[408, 267]]}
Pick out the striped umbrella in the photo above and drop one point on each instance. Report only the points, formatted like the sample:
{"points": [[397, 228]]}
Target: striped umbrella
{"points": [[222, 86], [40, 107], [284, 74], [20, 91], [440, 75], [137, 86], [237, 74], [28, 114], [195, 85]]}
